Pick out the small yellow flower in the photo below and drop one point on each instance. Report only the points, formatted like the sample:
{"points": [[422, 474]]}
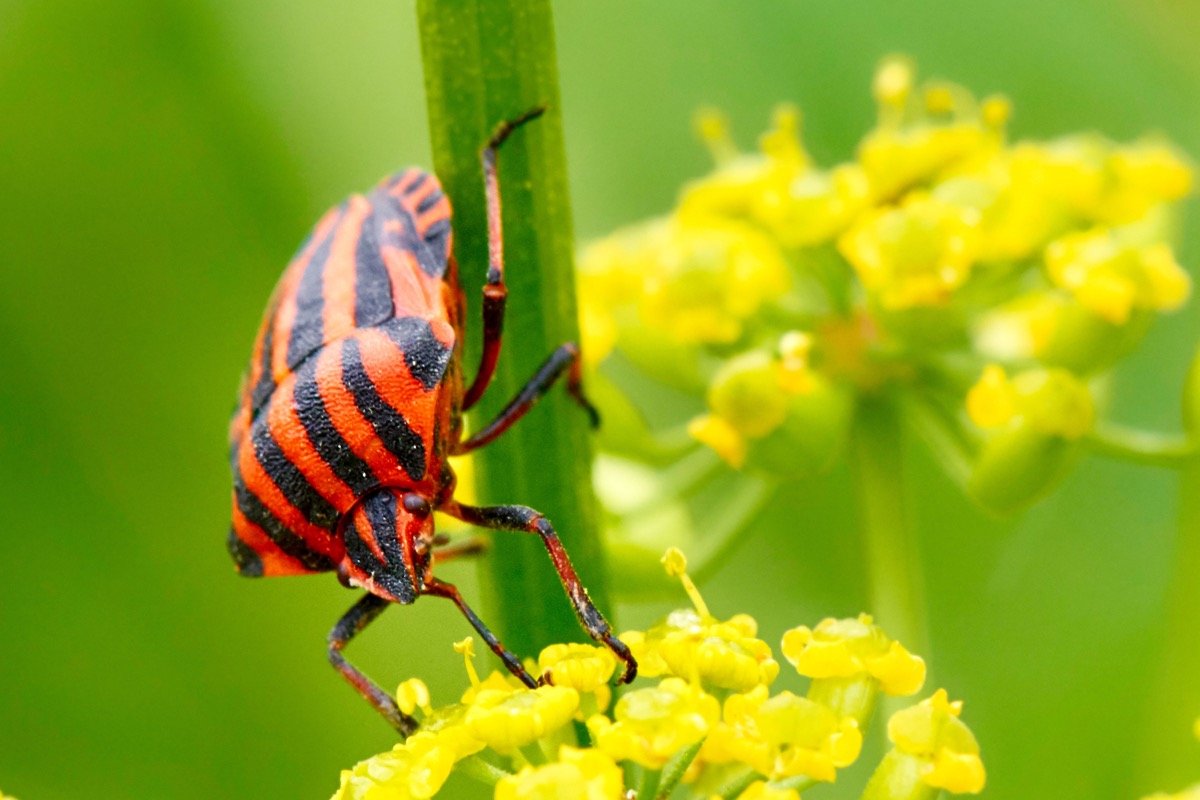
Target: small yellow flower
{"points": [[724, 439], [721, 654], [760, 790], [1068, 172], [510, 718], [654, 723], [992, 401], [1016, 216], [1113, 278], [584, 774], [783, 736], [932, 733], [813, 207], [1052, 402], [1144, 175], [848, 648], [916, 254], [414, 770], [582, 667]]}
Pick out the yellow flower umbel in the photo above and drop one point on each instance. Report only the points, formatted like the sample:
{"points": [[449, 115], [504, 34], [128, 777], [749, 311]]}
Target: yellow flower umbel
{"points": [[932, 749], [699, 720], [850, 661], [791, 296]]}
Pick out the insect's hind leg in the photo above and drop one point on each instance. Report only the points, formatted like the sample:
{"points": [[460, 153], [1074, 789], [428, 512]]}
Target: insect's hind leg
{"points": [[495, 293], [523, 518], [563, 361], [360, 615]]}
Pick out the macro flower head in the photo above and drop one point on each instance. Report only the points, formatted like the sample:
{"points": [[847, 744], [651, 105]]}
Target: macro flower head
{"points": [[700, 719], [982, 287]]}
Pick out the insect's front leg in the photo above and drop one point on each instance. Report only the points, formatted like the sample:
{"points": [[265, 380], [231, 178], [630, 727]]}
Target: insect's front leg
{"points": [[525, 519], [360, 615], [450, 592]]}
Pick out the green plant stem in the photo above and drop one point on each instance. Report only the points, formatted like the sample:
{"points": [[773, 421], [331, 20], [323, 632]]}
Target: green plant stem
{"points": [[480, 770], [889, 541], [1142, 447], [487, 61], [1167, 746]]}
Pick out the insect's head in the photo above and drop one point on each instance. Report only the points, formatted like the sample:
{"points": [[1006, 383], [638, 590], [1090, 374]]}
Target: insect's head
{"points": [[388, 538]]}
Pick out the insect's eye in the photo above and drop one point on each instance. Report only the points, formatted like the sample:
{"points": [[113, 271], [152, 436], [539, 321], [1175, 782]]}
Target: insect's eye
{"points": [[416, 505]]}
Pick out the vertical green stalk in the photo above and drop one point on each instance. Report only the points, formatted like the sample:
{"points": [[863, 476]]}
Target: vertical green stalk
{"points": [[1168, 751], [889, 540], [487, 61], [1168, 747]]}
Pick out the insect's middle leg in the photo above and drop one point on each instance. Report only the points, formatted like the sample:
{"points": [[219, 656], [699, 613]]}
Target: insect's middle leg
{"points": [[360, 615], [564, 360]]}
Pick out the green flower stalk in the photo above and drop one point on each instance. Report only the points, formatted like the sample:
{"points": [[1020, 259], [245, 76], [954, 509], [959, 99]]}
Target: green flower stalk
{"points": [[701, 721], [487, 61]]}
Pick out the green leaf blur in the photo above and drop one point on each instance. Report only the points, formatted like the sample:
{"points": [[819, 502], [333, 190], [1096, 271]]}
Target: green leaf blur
{"points": [[160, 161]]}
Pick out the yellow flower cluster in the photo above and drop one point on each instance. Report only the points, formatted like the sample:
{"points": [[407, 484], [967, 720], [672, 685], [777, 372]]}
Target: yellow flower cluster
{"points": [[702, 719], [782, 291]]}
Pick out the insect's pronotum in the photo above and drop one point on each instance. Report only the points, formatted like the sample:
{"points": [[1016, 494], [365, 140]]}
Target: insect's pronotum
{"points": [[354, 399]]}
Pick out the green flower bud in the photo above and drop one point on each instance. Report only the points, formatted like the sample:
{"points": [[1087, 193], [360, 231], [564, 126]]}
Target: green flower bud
{"points": [[812, 435], [1019, 466], [1036, 421]]}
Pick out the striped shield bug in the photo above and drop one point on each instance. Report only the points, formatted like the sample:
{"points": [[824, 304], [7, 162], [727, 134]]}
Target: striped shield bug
{"points": [[353, 401]]}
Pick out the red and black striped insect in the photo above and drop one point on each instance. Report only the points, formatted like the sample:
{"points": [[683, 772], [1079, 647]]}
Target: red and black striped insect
{"points": [[354, 399]]}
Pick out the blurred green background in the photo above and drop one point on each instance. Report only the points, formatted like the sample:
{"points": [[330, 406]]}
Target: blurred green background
{"points": [[159, 161]]}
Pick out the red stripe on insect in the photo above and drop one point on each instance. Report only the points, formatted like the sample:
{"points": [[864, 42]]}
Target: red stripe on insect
{"points": [[414, 199], [288, 432], [412, 292], [274, 561], [289, 285], [384, 364], [353, 427], [260, 484], [338, 280], [406, 181], [436, 213]]}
